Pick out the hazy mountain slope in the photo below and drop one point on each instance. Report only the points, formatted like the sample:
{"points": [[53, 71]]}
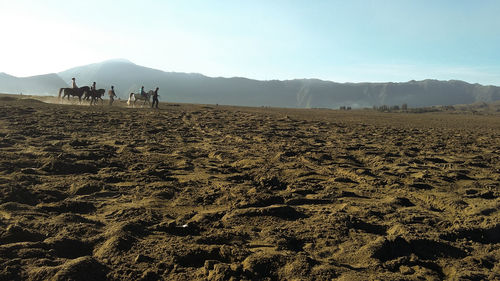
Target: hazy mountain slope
{"points": [[196, 88], [47, 84], [178, 87], [414, 93]]}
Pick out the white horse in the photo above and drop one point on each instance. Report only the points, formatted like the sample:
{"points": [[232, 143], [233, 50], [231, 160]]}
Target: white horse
{"points": [[146, 97]]}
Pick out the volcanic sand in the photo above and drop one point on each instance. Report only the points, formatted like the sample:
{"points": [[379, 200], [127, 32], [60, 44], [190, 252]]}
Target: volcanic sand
{"points": [[193, 192]]}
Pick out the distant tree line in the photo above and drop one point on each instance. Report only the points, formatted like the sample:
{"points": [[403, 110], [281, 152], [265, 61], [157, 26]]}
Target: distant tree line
{"points": [[404, 108], [392, 108]]}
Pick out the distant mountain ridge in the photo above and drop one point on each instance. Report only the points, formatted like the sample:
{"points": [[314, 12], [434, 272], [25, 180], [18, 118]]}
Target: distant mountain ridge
{"points": [[47, 84], [305, 93]]}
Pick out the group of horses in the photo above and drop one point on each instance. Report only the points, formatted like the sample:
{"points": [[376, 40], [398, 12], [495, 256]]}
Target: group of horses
{"points": [[86, 93], [83, 92]]}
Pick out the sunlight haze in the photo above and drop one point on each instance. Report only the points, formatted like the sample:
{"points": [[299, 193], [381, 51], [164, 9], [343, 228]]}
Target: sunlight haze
{"points": [[343, 41]]}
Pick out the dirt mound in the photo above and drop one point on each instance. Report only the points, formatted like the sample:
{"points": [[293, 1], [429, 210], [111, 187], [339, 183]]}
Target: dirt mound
{"points": [[7, 98], [89, 187], [65, 166], [31, 100], [83, 268]]}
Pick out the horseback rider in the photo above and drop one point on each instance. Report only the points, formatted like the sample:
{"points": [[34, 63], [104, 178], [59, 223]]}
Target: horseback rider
{"points": [[111, 94], [92, 94], [143, 93], [73, 83]]}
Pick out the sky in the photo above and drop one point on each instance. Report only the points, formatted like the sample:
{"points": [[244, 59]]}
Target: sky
{"points": [[337, 40]]}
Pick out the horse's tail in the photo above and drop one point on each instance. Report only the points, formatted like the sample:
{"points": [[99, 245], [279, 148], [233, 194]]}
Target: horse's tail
{"points": [[60, 91], [130, 98]]}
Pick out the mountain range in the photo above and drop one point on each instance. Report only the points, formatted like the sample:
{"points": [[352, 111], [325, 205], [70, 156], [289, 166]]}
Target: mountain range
{"points": [[128, 77], [33, 85]]}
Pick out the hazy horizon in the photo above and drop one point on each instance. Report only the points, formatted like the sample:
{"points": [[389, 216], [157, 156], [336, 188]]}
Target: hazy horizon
{"points": [[355, 41]]}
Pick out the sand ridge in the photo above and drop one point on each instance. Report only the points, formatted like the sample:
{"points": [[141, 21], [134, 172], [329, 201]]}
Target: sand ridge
{"points": [[205, 192]]}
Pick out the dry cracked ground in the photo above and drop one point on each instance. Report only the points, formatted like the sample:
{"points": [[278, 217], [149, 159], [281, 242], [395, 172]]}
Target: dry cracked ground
{"points": [[192, 192]]}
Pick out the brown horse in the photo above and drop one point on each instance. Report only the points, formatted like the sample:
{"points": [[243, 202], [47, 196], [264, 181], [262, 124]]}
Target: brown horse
{"points": [[95, 95], [78, 92]]}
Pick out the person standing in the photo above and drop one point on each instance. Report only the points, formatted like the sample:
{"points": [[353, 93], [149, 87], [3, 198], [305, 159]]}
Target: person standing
{"points": [[155, 98], [112, 95], [73, 83], [143, 93]]}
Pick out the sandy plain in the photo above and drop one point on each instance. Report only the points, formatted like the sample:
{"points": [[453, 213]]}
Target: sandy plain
{"points": [[205, 192]]}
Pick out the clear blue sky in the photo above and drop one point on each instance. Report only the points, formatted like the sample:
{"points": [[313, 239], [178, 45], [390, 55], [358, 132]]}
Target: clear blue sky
{"points": [[344, 40]]}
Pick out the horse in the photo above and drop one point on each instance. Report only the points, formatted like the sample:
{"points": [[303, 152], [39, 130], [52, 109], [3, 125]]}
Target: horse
{"points": [[138, 96], [78, 92], [94, 95]]}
